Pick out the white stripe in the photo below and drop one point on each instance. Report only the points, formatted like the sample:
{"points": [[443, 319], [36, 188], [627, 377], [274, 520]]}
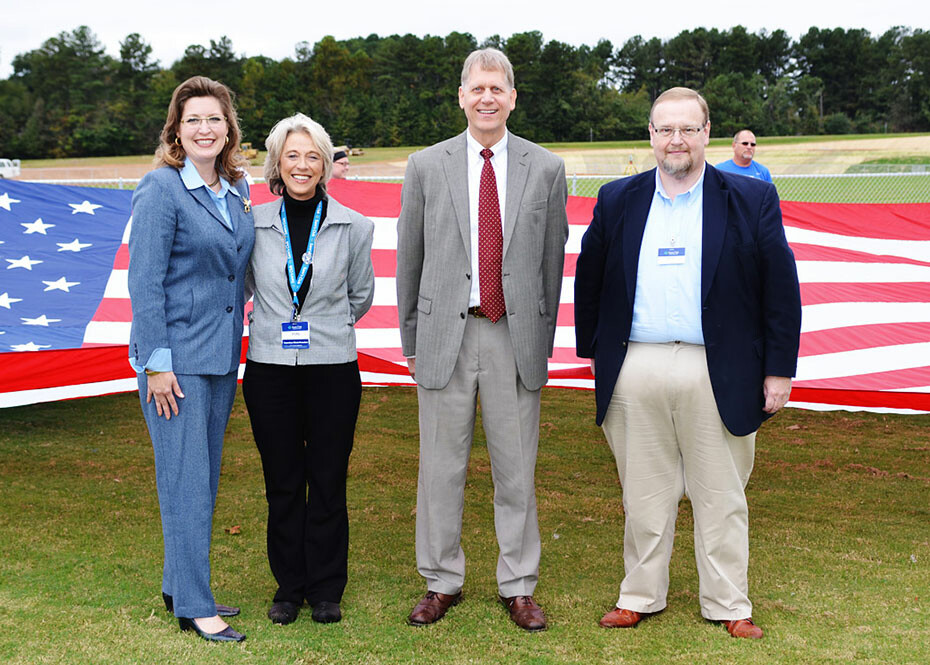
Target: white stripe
{"points": [[575, 231], [117, 285], [861, 361], [22, 397], [385, 235], [817, 406], [910, 249], [826, 316], [107, 332], [860, 273], [385, 292]]}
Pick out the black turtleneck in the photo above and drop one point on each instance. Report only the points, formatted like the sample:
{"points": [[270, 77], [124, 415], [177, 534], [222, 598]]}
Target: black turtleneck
{"points": [[299, 223]]}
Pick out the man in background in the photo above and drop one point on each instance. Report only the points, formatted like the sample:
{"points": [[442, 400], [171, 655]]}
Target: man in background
{"points": [[340, 164], [744, 150]]}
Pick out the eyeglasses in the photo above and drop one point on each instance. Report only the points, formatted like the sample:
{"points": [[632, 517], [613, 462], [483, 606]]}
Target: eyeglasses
{"points": [[213, 121], [669, 132], [752, 143]]}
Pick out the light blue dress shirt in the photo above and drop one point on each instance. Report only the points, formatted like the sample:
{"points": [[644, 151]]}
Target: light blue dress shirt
{"points": [[667, 303], [160, 360], [192, 180]]}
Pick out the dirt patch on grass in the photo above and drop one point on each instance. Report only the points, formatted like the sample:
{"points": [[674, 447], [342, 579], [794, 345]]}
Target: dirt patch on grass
{"points": [[795, 158]]}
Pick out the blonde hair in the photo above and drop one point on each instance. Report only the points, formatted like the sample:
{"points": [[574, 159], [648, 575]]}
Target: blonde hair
{"points": [[488, 59], [274, 144]]}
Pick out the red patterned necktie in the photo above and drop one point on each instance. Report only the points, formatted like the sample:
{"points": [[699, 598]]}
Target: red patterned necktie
{"points": [[490, 242]]}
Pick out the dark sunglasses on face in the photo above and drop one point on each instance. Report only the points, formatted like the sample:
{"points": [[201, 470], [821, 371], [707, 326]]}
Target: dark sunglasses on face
{"points": [[748, 143]]}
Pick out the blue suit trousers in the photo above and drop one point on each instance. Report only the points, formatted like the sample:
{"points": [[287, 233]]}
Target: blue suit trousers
{"points": [[188, 450]]}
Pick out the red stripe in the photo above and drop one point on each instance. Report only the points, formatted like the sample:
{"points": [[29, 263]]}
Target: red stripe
{"points": [[816, 293], [384, 262], [580, 209], [121, 262], [372, 199], [114, 309], [379, 316], [852, 338], [30, 371], [806, 252], [863, 398], [899, 379], [896, 221]]}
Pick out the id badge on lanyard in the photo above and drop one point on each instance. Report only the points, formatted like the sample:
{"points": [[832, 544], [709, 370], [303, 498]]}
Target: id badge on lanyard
{"points": [[295, 334]]}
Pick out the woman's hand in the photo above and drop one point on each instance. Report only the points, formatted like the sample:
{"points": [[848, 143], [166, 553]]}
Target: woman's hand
{"points": [[163, 386]]}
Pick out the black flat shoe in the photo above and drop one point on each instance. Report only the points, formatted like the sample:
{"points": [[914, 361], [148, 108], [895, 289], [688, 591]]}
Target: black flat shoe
{"points": [[222, 610], [225, 635], [326, 612], [283, 612]]}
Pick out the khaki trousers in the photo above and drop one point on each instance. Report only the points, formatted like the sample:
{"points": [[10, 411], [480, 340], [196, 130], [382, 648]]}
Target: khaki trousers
{"points": [[510, 414], [668, 440]]}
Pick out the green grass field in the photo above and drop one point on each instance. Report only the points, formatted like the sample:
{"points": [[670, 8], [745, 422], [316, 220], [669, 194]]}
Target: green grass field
{"points": [[839, 571]]}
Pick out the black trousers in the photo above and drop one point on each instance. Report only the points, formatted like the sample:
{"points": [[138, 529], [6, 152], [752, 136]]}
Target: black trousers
{"points": [[303, 420]]}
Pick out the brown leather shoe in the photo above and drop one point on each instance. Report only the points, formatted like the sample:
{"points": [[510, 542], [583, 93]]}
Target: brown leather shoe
{"points": [[432, 607], [525, 612], [743, 628], [618, 618]]}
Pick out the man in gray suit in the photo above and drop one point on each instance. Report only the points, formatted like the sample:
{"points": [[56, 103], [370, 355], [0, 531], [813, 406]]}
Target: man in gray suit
{"points": [[480, 249]]}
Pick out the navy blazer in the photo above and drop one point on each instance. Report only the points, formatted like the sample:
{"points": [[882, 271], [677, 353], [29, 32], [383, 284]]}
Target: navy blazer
{"points": [[750, 298], [187, 274]]}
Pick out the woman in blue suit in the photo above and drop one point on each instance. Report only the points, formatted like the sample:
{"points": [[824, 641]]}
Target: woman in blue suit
{"points": [[192, 234]]}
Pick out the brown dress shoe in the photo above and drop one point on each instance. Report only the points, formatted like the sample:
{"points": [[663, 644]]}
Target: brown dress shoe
{"points": [[743, 628], [432, 607], [618, 618], [525, 612]]}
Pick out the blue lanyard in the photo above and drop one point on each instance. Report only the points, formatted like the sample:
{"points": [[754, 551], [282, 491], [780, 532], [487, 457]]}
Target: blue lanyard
{"points": [[297, 280]]}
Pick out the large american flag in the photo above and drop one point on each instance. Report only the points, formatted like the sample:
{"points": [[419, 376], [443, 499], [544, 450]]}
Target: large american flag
{"points": [[65, 314]]}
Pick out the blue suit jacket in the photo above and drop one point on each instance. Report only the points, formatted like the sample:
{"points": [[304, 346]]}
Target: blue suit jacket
{"points": [[187, 274], [750, 298]]}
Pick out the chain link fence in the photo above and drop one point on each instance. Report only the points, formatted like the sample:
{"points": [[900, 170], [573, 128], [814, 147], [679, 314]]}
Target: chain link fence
{"points": [[912, 186]]}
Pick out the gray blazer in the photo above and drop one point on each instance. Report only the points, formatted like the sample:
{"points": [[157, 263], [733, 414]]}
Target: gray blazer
{"points": [[434, 257], [341, 288], [187, 274]]}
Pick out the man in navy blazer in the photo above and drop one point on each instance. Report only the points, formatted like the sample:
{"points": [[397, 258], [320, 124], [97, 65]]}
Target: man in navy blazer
{"points": [[687, 302]]}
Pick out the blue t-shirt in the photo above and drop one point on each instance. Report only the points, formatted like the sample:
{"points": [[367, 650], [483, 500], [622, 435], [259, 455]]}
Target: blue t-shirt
{"points": [[754, 170]]}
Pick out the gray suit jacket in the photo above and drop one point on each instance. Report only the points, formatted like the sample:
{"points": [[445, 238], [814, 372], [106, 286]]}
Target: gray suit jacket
{"points": [[187, 274], [341, 288], [434, 257]]}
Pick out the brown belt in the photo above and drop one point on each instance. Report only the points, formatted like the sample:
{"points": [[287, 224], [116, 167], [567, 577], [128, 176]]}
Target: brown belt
{"points": [[477, 313]]}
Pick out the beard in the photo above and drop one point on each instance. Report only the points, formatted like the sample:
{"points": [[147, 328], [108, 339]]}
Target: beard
{"points": [[679, 166]]}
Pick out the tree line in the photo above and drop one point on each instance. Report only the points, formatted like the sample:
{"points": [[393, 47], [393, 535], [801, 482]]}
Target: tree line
{"points": [[70, 98]]}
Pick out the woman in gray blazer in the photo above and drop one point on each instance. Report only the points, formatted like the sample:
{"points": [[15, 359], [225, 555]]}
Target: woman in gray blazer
{"points": [[192, 234], [312, 278]]}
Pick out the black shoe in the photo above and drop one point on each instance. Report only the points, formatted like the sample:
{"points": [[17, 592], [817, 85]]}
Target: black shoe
{"points": [[221, 610], [326, 612], [283, 612], [225, 635]]}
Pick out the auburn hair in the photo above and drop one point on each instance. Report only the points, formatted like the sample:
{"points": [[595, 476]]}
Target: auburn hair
{"points": [[230, 163]]}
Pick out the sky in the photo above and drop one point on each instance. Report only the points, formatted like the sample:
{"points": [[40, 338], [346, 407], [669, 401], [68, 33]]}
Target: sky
{"points": [[256, 28]]}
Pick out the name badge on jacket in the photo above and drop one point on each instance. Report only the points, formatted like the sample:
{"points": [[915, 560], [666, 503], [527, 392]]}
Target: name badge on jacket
{"points": [[295, 335]]}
